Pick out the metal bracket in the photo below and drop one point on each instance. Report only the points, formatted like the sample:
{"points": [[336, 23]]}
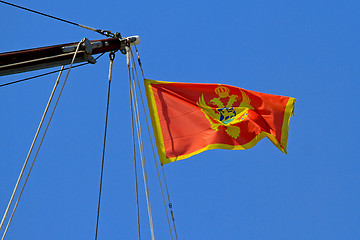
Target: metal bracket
{"points": [[87, 46], [129, 41]]}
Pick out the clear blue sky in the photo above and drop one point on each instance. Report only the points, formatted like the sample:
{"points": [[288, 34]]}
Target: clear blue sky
{"points": [[308, 50]]}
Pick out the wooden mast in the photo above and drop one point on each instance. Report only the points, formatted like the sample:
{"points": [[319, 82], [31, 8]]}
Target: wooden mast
{"points": [[58, 55]]}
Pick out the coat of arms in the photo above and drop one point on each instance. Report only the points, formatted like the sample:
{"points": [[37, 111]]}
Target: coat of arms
{"points": [[228, 115]]}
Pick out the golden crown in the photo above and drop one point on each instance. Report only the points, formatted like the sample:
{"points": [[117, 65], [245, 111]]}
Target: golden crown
{"points": [[222, 91]]}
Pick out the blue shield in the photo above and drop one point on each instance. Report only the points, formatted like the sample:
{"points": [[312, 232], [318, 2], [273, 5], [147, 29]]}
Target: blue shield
{"points": [[227, 114]]}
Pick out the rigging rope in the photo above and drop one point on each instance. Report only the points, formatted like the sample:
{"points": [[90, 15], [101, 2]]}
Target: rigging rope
{"points": [[112, 56], [103, 32], [34, 140], [140, 141], [170, 204], [152, 146], [134, 107], [33, 162], [134, 149], [45, 74]]}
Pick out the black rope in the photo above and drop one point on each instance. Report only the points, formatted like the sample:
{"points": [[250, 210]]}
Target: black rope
{"points": [[170, 204], [103, 32], [44, 74], [139, 61], [112, 56], [46, 15]]}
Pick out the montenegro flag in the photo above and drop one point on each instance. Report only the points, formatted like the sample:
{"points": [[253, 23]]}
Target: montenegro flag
{"points": [[189, 118]]}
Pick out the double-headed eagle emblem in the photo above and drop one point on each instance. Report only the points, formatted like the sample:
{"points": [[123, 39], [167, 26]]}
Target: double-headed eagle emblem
{"points": [[228, 115]]}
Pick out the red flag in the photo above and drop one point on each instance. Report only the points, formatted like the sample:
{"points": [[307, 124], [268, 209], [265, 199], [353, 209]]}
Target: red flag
{"points": [[189, 118]]}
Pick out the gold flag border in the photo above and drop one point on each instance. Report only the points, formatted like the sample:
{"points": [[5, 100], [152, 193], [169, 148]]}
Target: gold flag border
{"points": [[289, 111]]}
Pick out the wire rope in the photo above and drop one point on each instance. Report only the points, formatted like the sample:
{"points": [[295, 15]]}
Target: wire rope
{"points": [[170, 204], [112, 56], [103, 32]]}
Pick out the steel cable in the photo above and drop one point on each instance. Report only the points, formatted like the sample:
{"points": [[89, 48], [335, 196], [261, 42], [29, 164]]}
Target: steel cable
{"points": [[112, 56], [103, 32]]}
